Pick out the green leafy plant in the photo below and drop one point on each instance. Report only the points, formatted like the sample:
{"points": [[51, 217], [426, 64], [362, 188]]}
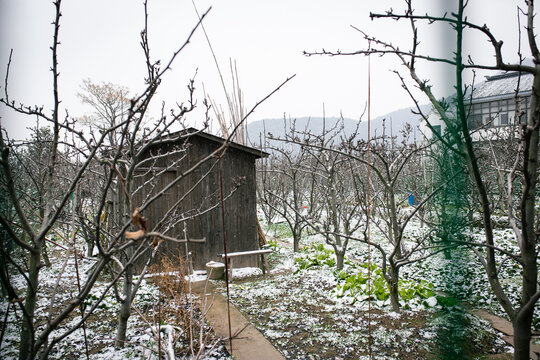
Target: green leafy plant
{"points": [[409, 289], [271, 244], [356, 286], [314, 256], [106, 304], [447, 302]]}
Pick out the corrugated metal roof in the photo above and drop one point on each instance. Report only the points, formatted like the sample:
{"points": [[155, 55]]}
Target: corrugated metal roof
{"points": [[502, 86]]}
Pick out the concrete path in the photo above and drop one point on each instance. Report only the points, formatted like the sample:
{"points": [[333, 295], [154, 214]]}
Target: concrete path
{"points": [[247, 343], [506, 328]]}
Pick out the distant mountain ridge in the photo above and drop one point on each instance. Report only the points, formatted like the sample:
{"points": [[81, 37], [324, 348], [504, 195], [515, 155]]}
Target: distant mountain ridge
{"points": [[393, 121]]}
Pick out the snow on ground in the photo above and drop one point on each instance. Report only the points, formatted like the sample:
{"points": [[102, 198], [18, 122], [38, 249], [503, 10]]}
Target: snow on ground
{"points": [[198, 275], [300, 312], [238, 273], [242, 273], [101, 326]]}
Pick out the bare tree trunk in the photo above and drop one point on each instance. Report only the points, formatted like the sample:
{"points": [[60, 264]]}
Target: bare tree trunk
{"points": [[44, 247], [340, 258], [91, 244], [296, 242], [522, 335], [125, 309], [523, 320], [393, 282], [27, 333], [45, 255]]}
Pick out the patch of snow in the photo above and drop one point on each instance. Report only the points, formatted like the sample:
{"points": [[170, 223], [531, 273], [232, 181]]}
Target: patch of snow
{"points": [[432, 301], [241, 273], [198, 275], [394, 315]]}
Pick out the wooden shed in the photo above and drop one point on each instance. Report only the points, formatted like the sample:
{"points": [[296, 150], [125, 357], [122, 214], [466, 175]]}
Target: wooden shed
{"points": [[192, 204]]}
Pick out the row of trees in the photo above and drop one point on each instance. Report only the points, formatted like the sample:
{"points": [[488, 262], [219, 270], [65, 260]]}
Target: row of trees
{"points": [[497, 175], [519, 177], [89, 178], [319, 182]]}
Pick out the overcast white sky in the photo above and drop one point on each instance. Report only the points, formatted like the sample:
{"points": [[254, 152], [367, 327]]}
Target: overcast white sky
{"points": [[100, 41]]}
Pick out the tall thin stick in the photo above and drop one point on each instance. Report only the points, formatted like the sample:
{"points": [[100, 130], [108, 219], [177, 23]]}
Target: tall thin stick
{"points": [[234, 99], [370, 340], [220, 156]]}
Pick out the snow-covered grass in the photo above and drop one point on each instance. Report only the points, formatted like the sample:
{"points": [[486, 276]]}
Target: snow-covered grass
{"points": [[151, 309], [464, 276], [306, 308], [304, 311], [100, 328]]}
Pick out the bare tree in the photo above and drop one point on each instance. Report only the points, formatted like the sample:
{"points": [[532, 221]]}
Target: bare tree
{"points": [[392, 189], [292, 191], [109, 103], [267, 179], [522, 212], [340, 191], [31, 235], [321, 177], [342, 165], [392, 178], [114, 159]]}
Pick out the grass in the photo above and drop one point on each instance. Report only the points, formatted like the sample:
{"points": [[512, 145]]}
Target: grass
{"points": [[278, 230], [161, 301], [298, 309]]}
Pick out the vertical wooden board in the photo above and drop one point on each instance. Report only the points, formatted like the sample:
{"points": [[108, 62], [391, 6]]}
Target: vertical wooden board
{"points": [[241, 218]]}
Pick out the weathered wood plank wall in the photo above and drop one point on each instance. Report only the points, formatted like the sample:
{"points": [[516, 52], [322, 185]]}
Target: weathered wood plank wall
{"points": [[201, 202]]}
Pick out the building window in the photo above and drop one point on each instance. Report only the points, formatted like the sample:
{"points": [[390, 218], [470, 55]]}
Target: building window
{"points": [[497, 113], [504, 118], [524, 107]]}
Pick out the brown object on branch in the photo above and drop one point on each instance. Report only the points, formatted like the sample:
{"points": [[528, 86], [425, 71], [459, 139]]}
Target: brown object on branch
{"points": [[137, 219], [140, 221], [134, 234], [156, 241]]}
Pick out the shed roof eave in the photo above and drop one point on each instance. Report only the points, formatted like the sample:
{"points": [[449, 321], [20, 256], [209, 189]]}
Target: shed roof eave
{"points": [[256, 152], [186, 133]]}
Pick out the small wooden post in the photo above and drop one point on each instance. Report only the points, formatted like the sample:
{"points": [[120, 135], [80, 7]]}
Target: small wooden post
{"points": [[264, 264]]}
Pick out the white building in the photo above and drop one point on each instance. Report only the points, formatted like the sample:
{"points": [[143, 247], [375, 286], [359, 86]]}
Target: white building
{"points": [[493, 106]]}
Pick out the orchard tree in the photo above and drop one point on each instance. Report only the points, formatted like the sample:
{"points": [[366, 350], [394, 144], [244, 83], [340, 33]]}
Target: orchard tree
{"points": [[325, 182], [292, 191], [340, 191], [341, 164], [109, 104], [391, 178], [103, 169], [30, 232], [522, 202], [110, 159]]}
